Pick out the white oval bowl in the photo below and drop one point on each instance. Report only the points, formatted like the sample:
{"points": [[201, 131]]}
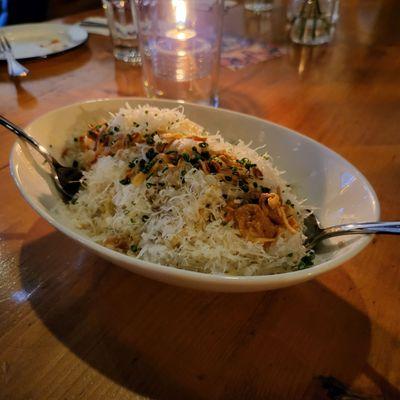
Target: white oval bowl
{"points": [[329, 182]]}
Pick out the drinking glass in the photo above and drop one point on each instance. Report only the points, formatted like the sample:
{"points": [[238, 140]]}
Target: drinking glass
{"points": [[312, 21], [123, 30], [180, 45]]}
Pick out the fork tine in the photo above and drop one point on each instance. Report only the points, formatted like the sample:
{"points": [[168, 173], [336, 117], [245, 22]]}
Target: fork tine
{"points": [[14, 67], [7, 43]]}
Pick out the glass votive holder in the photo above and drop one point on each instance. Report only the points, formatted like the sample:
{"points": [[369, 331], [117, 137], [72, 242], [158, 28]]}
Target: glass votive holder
{"points": [[312, 21], [180, 45], [259, 6], [123, 30]]}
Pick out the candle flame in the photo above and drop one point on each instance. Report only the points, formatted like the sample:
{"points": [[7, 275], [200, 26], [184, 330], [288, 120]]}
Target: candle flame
{"points": [[180, 11], [181, 32]]}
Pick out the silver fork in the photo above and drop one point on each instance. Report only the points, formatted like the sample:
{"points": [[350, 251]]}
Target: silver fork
{"points": [[14, 67], [315, 233]]}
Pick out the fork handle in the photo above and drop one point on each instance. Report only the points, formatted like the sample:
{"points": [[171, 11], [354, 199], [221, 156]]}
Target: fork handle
{"points": [[27, 138], [14, 67], [363, 228]]}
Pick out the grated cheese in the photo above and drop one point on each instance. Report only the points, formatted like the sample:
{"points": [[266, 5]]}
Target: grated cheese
{"points": [[173, 218]]}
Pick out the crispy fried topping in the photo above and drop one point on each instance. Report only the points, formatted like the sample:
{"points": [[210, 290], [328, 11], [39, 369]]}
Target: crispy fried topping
{"points": [[258, 212]]}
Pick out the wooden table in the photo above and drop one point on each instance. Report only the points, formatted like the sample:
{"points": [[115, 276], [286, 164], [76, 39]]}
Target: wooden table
{"points": [[73, 326]]}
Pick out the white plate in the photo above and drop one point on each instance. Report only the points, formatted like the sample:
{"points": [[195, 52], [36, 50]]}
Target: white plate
{"points": [[42, 39], [338, 189]]}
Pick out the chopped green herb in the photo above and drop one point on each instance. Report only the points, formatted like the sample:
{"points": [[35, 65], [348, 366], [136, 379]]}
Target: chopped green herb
{"points": [[92, 135], [134, 248], [205, 155], [145, 218], [150, 154], [196, 157], [290, 255], [186, 157], [142, 163], [116, 128], [133, 163], [212, 167], [149, 185], [307, 261], [265, 189], [125, 181], [146, 167], [289, 203], [203, 145], [149, 139], [246, 163], [243, 186]]}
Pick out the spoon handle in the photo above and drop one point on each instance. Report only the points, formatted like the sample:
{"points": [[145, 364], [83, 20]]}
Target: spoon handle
{"points": [[27, 138], [392, 228]]}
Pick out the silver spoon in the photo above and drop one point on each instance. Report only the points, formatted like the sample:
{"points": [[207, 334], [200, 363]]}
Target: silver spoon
{"points": [[66, 179], [315, 233]]}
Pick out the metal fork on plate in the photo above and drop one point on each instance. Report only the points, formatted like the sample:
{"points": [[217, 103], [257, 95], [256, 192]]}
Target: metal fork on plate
{"points": [[14, 67]]}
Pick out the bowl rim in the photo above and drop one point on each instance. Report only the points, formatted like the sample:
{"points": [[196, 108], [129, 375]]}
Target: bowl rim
{"points": [[176, 273]]}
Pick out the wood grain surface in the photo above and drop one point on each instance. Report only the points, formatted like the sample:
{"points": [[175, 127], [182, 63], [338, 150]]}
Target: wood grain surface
{"points": [[73, 326]]}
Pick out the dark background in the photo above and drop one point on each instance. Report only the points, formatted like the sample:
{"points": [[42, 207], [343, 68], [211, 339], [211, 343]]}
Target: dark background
{"points": [[25, 11]]}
